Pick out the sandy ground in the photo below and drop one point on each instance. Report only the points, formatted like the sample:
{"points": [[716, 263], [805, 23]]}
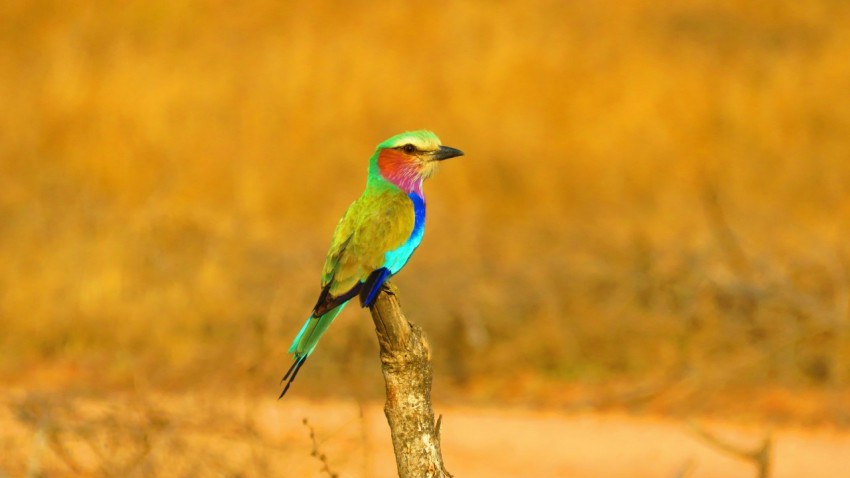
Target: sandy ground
{"points": [[161, 435]]}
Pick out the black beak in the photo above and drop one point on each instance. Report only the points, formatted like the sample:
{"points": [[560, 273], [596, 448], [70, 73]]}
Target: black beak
{"points": [[446, 152]]}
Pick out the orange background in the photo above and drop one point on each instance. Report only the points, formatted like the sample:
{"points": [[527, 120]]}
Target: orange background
{"points": [[653, 193]]}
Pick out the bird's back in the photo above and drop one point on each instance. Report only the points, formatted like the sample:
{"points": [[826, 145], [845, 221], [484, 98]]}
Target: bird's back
{"points": [[380, 221]]}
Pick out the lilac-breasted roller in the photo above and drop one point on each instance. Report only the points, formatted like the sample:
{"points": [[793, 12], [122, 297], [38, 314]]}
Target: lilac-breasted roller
{"points": [[376, 236]]}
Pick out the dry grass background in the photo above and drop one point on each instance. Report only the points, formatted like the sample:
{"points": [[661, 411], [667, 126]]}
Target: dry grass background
{"points": [[654, 195]]}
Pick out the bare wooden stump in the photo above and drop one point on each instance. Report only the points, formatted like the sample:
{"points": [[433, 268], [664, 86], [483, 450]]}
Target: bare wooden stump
{"points": [[406, 364]]}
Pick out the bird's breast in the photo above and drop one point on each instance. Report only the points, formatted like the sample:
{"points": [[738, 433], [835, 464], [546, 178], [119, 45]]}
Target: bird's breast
{"points": [[396, 259], [418, 215]]}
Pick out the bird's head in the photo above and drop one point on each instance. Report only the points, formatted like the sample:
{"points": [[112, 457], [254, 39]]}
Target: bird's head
{"points": [[409, 158]]}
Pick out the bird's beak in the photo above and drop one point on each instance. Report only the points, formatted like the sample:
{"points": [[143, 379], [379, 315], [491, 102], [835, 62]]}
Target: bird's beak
{"points": [[446, 152]]}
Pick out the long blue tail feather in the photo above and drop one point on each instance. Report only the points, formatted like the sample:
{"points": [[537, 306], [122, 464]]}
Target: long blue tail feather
{"points": [[296, 366], [305, 342]]}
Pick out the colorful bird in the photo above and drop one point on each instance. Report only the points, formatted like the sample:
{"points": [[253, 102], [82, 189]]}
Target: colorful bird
{"points": [[376, 236]]}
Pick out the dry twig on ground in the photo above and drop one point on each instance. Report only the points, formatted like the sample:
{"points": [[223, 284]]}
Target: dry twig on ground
{"points": [[759, 456]]}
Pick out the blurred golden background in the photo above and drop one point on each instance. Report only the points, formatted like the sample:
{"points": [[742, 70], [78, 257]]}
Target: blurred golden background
{"points": [[653, 202]]}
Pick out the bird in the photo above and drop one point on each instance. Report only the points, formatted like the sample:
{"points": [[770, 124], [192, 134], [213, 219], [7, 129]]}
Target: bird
{"points": [[376, 236]]}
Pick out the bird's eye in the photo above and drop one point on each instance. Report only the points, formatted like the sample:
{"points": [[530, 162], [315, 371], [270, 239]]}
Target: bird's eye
{"points": [[408, 148]]}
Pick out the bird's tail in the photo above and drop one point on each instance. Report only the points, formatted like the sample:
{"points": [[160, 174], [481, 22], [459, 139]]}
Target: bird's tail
{"points": [[305, 342]]}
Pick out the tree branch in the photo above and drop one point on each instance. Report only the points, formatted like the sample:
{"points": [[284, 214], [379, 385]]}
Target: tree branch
{"points": [[406, 364]]}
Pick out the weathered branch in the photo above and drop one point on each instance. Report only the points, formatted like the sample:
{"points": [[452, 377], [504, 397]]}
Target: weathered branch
{"points": [[406, 364]]}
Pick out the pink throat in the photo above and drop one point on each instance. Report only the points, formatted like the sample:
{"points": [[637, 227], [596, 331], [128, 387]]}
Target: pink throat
{"points": [[400, 170]]}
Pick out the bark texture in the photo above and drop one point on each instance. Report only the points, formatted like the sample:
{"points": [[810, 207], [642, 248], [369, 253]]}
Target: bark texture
{"points": [[406, 364]]}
